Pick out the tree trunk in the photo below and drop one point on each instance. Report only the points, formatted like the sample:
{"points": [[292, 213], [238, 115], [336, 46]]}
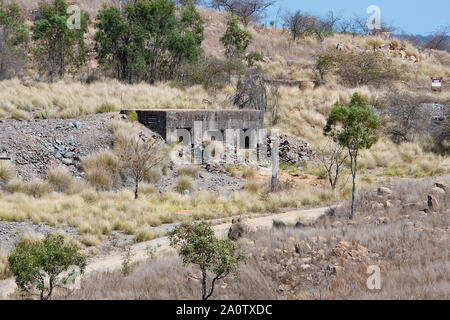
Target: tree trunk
{"points": [[275, 162], [353, 167], [136, 190], [204, 285]]}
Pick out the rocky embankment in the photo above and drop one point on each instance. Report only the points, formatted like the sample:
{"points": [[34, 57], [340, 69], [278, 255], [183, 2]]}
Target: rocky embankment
{"points": [[36, 145]]}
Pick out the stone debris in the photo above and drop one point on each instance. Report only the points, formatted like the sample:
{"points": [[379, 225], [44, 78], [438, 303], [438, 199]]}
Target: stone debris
{"points": [[36, 145]]}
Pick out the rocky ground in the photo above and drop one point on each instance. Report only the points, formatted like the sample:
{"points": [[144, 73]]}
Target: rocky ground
{"points": [[35, 145]]}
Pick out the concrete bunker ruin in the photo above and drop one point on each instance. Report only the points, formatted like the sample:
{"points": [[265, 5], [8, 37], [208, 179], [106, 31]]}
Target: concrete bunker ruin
{"points": [[190, 126]]}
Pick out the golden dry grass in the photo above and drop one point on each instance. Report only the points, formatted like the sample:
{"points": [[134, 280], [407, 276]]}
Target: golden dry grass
{"points": [[411, 251]]}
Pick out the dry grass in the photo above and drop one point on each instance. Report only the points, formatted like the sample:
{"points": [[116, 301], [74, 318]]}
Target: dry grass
{"points": [[102, 170], [60, 178], [184, 183], [71, 99], [4, 265], [411, 251], [7, 172], [96, 213]]}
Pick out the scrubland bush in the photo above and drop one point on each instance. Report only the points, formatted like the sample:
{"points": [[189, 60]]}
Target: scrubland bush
{"points": [[7, 172], [37, 266]]}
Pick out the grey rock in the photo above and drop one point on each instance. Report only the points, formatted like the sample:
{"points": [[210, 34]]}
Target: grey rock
{"points": [[78, 125], [67, 162]]}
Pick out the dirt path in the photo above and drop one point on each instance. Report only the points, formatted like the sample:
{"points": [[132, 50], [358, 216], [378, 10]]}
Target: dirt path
{"points": [[140, 251]]}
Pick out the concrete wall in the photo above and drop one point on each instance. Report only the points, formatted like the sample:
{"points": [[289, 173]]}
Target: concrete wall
{"points": [[168, 122]]}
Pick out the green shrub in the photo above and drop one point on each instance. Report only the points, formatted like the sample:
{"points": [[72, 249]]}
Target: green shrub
{"points": [[51, 256]]}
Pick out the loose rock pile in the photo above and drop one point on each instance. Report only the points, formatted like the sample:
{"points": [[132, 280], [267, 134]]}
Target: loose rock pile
{"points": [[36, 145], [294, 150]]}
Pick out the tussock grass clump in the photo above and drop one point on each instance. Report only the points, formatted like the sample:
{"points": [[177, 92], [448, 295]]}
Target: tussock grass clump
{"points": [[7, 172], [4, 265], [90, 240], [153, 175], [37, 188], [184, 183], [60, 178], [102, 170], [144, 234], [252, 187], [106, 107], [249, 173], [13, 186], [191, 171]]}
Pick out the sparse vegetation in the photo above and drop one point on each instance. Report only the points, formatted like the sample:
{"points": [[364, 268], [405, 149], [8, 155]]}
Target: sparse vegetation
{"points": [[257, 70], [60, 178], [7, 172], [38, 266], [354, 127], [198, 245]]}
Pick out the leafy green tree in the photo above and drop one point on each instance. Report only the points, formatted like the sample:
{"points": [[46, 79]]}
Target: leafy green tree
{"points": [[58, 45], [13, 40], [236, 42], [39, 265], [148, 40], [198, 245], [235, 39], [353, 126], [113, 41], [186, 40]]}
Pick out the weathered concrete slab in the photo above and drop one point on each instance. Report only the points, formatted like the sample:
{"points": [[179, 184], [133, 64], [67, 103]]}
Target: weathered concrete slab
{"points": [[166, 122]]}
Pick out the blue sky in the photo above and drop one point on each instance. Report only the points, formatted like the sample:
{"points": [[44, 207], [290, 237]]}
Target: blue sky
{"points": [[412, 16]]}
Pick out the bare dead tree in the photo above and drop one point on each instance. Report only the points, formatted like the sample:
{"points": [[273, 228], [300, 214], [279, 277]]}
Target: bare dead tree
{"points": [[332, 20], [440, 40], [139, 155], [274, 102], [403, 116], [299, 24], [246, 10], [332, 158]]}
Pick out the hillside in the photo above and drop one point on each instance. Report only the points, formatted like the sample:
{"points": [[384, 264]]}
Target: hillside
{"points": [[69, 171]]}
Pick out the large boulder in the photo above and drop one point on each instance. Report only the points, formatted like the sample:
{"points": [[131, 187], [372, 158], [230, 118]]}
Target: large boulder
{"points": [[241, 227]]}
